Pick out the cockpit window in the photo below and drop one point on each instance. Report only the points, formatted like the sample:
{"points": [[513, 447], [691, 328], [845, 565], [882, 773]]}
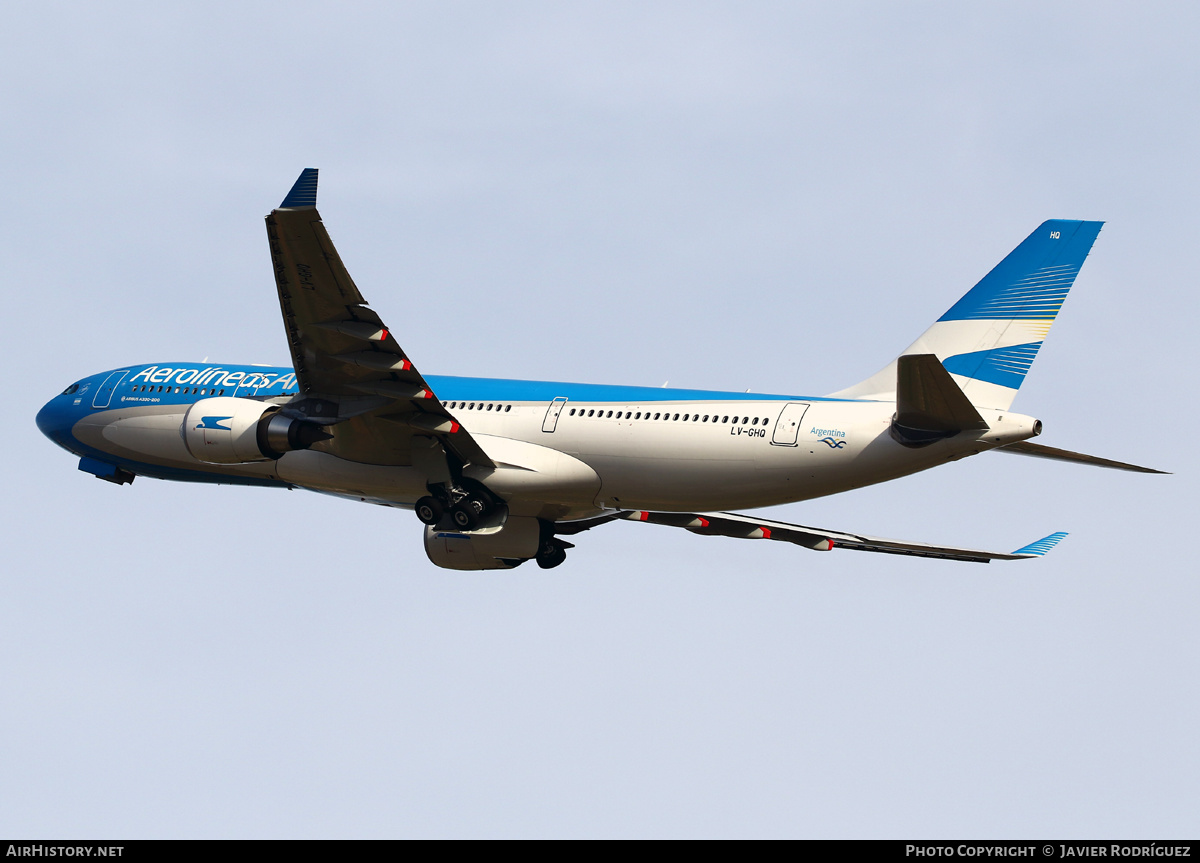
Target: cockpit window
{"points": [[71, 389]]}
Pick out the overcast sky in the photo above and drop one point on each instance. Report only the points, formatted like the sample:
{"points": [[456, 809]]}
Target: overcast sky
{"points": [[776, 196]]}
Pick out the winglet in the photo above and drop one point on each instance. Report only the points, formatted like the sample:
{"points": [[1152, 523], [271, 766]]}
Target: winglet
{"points": [[1043, 545], [304, 191]]}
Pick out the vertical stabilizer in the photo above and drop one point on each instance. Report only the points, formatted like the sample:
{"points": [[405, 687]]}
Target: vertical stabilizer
{"points": [[989, 338]]}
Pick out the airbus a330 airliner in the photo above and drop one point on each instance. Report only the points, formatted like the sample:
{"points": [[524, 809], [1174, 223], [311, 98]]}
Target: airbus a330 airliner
{"points": [[500, 470]]}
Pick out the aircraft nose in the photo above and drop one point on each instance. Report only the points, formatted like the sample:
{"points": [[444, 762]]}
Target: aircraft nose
{"points": [[56, 419]]}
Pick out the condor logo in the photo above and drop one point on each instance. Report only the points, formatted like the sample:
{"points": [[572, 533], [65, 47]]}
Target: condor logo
{"points": [[213, 423]]}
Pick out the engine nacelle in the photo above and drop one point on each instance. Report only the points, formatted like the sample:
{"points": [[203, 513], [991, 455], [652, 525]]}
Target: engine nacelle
{"points": [[228, 430], [503, 547]]}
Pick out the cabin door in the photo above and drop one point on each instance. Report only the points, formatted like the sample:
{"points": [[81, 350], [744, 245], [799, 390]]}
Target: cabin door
{"points": [[788, 427], [105, 393], [552, 413]]}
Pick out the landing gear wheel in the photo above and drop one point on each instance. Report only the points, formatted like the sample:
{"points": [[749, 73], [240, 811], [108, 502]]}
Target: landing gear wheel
{"points": [[465, 514], [550, 555], [429, 510]]}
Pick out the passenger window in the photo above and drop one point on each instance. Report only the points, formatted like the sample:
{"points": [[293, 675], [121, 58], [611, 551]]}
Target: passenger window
{"points": [[676, 418], [572, 412], [639, 415], [656, 416], [755, 422], [725, 419], [507, 408]]}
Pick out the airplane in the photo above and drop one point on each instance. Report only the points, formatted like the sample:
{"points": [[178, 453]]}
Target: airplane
{"points": [[500, 471]]}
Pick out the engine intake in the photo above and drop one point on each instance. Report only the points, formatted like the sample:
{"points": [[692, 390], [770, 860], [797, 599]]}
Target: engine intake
{"points": [[228, 430]]}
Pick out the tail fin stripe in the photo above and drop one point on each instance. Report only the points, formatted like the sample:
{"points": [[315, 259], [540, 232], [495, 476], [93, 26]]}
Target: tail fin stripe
{"points": [[1004, 366], [1033, 280], [1028, 298]]}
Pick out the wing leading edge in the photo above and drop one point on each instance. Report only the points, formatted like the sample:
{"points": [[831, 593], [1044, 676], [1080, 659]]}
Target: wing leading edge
{"points": [[819, 539]]}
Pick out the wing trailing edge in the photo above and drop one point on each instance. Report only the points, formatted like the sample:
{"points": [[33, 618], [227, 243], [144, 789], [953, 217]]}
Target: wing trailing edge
{"points": [[739, 526]]}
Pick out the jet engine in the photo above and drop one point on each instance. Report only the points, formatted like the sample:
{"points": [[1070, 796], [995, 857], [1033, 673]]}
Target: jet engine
{"points": [[515, 541], [235, 431]]}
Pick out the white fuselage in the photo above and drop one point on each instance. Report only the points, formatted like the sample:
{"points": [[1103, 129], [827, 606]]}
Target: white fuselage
{"points": [[575, 458]]}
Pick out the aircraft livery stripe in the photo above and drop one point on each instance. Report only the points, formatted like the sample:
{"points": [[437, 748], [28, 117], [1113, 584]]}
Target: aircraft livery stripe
{"points": [[500, 389], [1004, 366], [273, 380]]}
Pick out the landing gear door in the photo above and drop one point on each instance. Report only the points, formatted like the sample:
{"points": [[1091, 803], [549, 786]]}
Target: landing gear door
{"points": [[552, 413], [104, 394], [788, 427]]}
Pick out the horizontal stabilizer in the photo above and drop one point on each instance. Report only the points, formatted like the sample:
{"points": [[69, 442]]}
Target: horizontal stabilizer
{"points": [[928, 399], [1039, 451], [1043, 545]]}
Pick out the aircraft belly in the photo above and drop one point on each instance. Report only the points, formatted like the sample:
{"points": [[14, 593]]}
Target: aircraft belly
{"points": [[321, 471]]}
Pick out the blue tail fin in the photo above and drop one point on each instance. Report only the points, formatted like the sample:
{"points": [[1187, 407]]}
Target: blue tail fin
{"points": [[989, 338]]}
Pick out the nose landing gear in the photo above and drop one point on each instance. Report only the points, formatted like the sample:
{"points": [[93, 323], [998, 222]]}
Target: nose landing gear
{"points": [[552, 553]]}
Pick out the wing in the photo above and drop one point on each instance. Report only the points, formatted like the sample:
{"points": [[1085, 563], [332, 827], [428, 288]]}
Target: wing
{"points": [[349, 368], [819, 539]]}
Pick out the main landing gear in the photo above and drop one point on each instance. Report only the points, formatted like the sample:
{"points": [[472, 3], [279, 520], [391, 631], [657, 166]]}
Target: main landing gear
{"points": [[465, 511], [429, 510]]}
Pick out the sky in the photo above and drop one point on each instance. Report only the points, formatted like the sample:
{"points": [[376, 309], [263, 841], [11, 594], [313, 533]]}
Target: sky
{"points": [[751, 195]]}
